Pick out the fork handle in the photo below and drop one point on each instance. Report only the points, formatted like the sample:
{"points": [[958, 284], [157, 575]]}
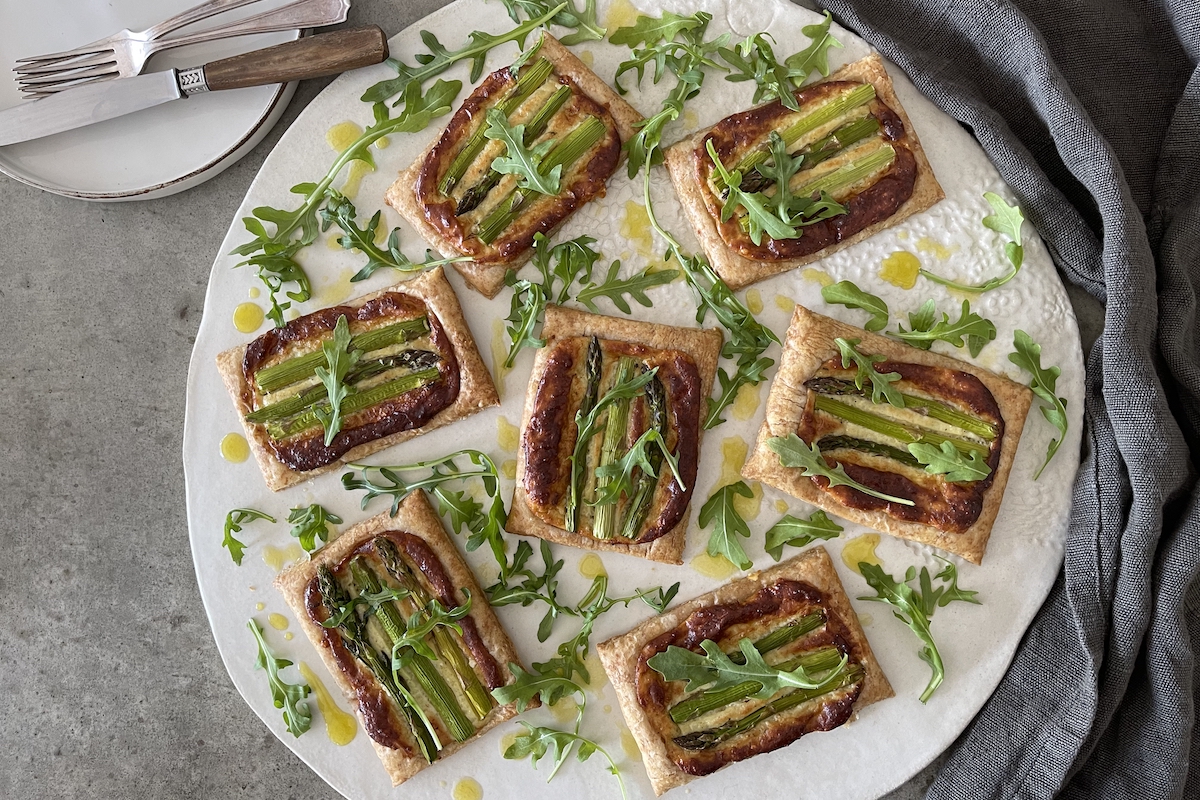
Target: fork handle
{"points": [[195, 14], [313, 57]]}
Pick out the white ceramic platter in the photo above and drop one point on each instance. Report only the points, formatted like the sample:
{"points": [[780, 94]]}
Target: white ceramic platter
{"points": [[153, 153], [891, 740]]}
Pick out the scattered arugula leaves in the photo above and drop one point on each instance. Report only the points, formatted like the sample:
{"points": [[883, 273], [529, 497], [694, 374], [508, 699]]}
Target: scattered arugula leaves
{"points": [[915, 608], [881, 382], [310, 523], [234, 521], [970, 326], [761, 219], [290, 697], [273, 254], [753, 59], [950, 462], [439, 59], [1005, 220], [520, 160], [1028, 356], [798, 532], [619, 473], [728, 524], [847, 293], [615, 288], [716, 670], [816, 55], [339, 360], [587, 27], [483, 527], [795, 452]]}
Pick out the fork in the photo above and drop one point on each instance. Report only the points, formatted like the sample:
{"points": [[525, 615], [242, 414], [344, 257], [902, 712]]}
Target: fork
{"points": [[125, 54]]}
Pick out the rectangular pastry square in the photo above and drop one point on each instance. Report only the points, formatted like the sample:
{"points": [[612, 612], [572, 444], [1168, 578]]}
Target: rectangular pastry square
{"points": [[419, 365], [814, 397], [554, 97], [581, 360], [845, 154], [411, 555], [796, 613]]}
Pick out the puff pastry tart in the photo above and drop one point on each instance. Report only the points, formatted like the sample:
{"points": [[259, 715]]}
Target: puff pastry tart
{"points": [[794, 615], [458, 200], [856, 147], [418, 369], [569, 489], [932, 470], [357, 599]]}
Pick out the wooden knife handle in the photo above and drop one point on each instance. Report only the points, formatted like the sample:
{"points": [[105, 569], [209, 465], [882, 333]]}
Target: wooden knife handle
{"points": [[310, 57]]}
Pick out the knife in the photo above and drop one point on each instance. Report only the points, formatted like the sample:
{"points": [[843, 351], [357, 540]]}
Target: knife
{"points": [[310, 57]]}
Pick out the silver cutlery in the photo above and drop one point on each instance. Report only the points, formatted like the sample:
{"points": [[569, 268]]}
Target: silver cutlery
{"points": [[124, 54]]}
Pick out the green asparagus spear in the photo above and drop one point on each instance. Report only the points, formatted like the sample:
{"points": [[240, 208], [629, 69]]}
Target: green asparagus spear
{"points": [[447, 646], [616, 428], [595, 361], [922, 405], [647, 482], [895, 430], [356, 402], [821, 150]]}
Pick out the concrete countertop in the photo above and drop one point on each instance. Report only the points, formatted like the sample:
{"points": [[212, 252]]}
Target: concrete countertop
{"points": [[113, 687]]}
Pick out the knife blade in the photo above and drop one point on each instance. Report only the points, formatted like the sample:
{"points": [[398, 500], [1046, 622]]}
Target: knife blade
{"points": [[311, 57]]}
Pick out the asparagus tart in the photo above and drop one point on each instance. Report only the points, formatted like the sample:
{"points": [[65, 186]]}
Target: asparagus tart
{"points": [[407, 633], [745, 669], [397, 362], [810, 182], [906, 441], [610, 438], [528, 148]]}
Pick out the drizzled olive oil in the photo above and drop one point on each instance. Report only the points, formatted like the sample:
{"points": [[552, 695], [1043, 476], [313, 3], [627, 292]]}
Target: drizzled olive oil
{"points": [[234, 448], [248, 317], [935, 248], [859, 549], [817, 276], [754, 301], [635, 228], [277, 621], [621, 13], [278, 557], [629, 745], [340, 137], [900, 269], [785, 303], [590, 566], [507, 434], [747, 400], [339, 726], [467, 789], [717, 567], [733, 455]]}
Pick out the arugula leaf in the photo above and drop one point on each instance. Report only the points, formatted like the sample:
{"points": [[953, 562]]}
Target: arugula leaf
{"points": [[914, 608], [339, 360], [439, 59], [847, 294], [1028, 356], [573, 261], [1005, 220], [484, 528], [795, 452], [728, 524], [310, 523], [881, 383], [649, 31], [234, 521], [273, 254], [717, 671], [587, 424], [615, 287], [465, 511], [620, 472], [338, 210], [977, 330], [797, 532], [519, 160], [950, 462], [538, 740], [761, 219], [816, 55], [779, 171], [422, 624], [754, 60], [290, 697], [526, 311], [587, 27]]}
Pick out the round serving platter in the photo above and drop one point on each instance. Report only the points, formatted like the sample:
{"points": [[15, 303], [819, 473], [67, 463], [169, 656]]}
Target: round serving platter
{"points": [[890, 741]]}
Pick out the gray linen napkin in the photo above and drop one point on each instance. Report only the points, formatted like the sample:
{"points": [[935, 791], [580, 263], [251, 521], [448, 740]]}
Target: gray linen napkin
{"points": [[1091, 112]]}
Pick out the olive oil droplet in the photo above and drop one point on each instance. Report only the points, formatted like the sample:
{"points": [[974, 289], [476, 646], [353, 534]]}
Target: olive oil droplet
{"points": [[754, 301], [597, 677], [939, 250], [276, 558], [340, 726], [254, 292], [861, 548], [900, 269], [781, 506], [587, 57], [635, 227], [468, 789], [818, 276], [277, 621], [629, 745], [508, 468], [621, 13], [507, 434], [785, 303], [733, 452], [340, 137], [248, 317], [746, 402], [590, 566], [718, 567], [499, 354], [234, 448], [259, 606]]}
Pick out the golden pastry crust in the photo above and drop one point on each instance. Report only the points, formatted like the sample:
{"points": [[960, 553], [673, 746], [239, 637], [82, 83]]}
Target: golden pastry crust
{"points": [[418, 518], [620, 654], [739, 271], [702, 345], [808, 345], [476, 390], [488, 278]]}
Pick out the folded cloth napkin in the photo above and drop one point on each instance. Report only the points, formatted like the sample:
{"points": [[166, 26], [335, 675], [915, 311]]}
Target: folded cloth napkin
{"points": [[1091, 111]]}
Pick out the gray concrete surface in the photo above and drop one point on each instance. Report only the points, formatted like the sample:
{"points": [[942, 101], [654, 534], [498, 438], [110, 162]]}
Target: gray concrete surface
{"points": [[112, 686]]}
